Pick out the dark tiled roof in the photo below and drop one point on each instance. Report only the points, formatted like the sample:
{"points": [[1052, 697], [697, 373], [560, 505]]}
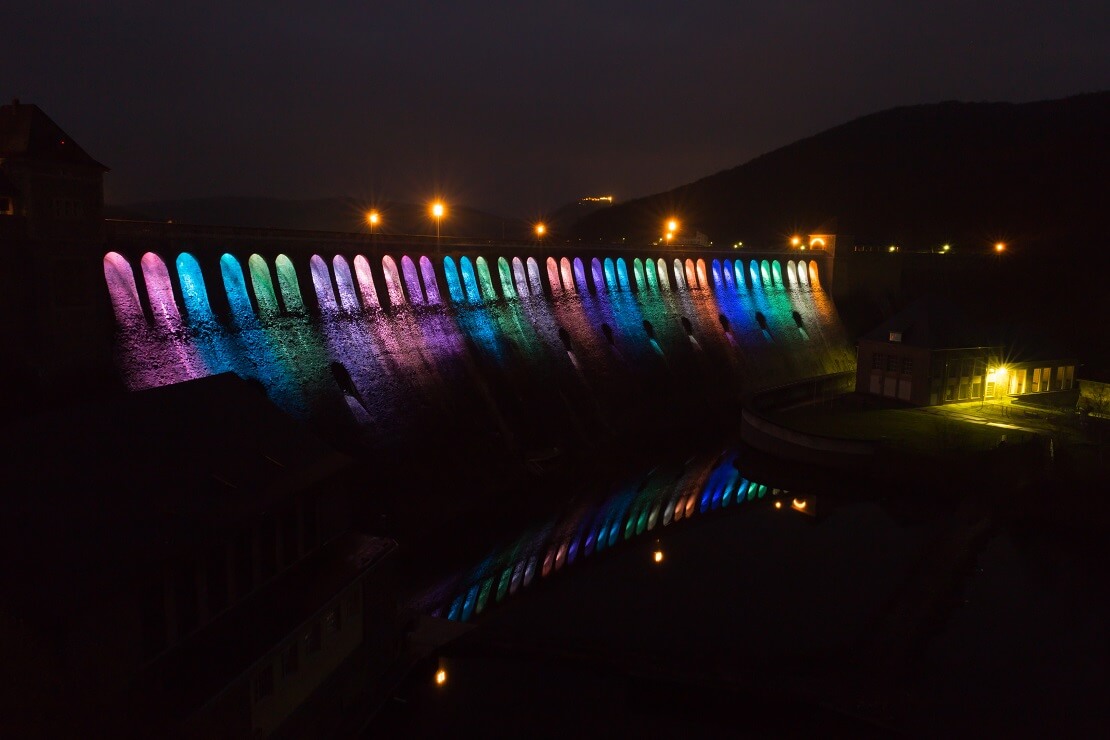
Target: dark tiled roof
{"points": [[29, 134], [947, 322]]}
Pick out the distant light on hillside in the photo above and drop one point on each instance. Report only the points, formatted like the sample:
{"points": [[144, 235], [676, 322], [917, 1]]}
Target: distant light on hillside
{"points": [[597, 199]]}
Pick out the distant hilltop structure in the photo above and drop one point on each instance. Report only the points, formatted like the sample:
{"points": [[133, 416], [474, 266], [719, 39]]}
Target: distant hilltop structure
{"points": [[596, 200]]}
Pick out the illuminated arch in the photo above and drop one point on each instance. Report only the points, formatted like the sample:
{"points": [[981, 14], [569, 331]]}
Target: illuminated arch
{"points": [[792, 272], [321, 283], [534, 277], [679, 278], [485, 281], [344, 281], [431, 284], [598, 275], [159, 291], [520, 277], [288, 284], [454, 286], [506, 274], [264, 294], [638, 274], [193, 290], [622, 274], [580, 276], [703, 281], [122, 290], [661, 273], [392, 281], [553, 277], [366, 283], [412, 280], [469, 280], [235, 286]]}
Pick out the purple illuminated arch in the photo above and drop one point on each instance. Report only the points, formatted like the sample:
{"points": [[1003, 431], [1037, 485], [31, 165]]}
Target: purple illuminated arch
{"points": [[431, 285], [412, 280], [321, 281], [122, 290], [393, 281], [159, 291]]}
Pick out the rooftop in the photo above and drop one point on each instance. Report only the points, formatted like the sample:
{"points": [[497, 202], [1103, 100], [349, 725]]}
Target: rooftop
{"points": [[26, 133]]}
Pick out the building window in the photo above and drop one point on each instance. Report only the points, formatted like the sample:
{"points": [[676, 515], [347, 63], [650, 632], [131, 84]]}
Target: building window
{"points": [[312, 639], [1036, 379], [333, 620], [1046, 379], [876, 361], [290, 660], [262, 685], [892, 364], [1060, 378], [907, 366]]}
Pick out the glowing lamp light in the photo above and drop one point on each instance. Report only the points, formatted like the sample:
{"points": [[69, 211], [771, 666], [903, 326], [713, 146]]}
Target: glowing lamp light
{"points": [[373, 218], [657, 556], [672, 225], [795, 241], [540, 229], [441, 677], [438, 210], [1000, 247], [946, 247], [778, 504], [670, 235]]}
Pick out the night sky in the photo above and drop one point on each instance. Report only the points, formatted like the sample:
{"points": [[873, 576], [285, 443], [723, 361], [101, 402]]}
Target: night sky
{"points": [[516, 108]]}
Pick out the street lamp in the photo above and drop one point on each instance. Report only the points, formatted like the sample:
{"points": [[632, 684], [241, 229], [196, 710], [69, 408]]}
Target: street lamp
{"points": [[1000, 247], [540, 230], [438, 209], [795, 241], [373, 219]]}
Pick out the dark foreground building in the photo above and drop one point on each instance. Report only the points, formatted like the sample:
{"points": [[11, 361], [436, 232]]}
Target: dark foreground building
{"points": [[936, 352], [178, 562]]}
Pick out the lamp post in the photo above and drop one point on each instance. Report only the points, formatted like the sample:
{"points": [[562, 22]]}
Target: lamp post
{"points": [[373, 219], [540, 231], [438, 210]]}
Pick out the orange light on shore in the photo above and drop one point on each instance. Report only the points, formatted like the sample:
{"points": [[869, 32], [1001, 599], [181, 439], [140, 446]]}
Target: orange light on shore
{"points": [[672, 225], [657, 556], [1000, 247], [795, 241], [441, 677], [540, 230]]}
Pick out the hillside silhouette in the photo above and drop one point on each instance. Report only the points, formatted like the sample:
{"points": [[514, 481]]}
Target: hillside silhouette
{"points": [[966, 174]]}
